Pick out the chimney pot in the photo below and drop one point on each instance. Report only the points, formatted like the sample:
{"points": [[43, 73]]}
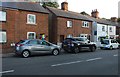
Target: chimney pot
{"points": [[95, 13], [114, 19], [64, 6]]}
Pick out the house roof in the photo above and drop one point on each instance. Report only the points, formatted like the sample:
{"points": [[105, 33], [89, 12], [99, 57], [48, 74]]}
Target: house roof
{"points": [[102, 21], [74, 15], [67, 14], [35, 7]]}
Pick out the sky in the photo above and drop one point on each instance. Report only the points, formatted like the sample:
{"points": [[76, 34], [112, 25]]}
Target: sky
{"points": [[106, 8]]}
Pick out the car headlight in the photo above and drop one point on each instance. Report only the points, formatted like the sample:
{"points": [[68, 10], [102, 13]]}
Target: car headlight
{"points": [[107, 46], [72, 44], [78, 43]]}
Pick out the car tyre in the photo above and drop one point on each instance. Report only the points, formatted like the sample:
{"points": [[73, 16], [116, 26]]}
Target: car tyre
{"points": [[55, 52], [25, 54], [111, 47], [101, 47], [76, 50], [92, 48]]}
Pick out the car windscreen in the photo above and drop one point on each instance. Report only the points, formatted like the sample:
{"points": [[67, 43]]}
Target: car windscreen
{"points": [[80, 39], [21, 41], [105, 42]]}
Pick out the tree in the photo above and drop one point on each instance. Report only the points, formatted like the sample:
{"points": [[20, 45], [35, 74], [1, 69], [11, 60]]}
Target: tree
{"points": [[84, 13], [50, 4], [118, 20]]}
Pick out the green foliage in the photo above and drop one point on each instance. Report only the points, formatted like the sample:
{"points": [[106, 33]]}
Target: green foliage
{"points": [[51, 4], [84, 13], [118, 20]]}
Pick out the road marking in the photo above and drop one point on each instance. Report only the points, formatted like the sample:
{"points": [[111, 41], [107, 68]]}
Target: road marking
{"points": [[66, 63], [115, 55], [7, 71], [94, 59]]}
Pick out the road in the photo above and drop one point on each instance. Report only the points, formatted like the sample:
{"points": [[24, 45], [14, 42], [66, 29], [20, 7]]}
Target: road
{"points": [[100, 62]]}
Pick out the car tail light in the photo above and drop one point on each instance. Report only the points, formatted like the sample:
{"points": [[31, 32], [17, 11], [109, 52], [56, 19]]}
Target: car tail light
{"points": [[20, 45]]}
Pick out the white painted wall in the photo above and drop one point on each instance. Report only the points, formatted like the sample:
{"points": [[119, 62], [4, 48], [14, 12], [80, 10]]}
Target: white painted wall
{"points": [[113, 33]]}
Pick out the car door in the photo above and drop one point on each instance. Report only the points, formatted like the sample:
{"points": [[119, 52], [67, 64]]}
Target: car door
{"points": [[114, 44], [44, 46], [33, 45]]}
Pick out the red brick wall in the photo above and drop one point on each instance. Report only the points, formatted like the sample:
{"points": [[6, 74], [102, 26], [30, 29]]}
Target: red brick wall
{"points": [[75, 30], [16, 26]]}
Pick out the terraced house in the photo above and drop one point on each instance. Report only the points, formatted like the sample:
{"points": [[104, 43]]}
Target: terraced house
{"points": [[64, 23], [102, 28], [21, 21]]}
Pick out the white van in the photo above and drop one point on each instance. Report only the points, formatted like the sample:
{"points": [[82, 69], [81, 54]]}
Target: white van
{"points": [[109, 44]]}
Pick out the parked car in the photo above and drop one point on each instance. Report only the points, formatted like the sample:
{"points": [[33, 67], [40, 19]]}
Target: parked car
{"points": [[25, 48], [84, 40], [73, 45], [109, 44]]}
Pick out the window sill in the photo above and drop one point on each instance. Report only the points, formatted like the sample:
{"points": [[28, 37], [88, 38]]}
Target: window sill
{"points": [[30, 24], [84, 27]]}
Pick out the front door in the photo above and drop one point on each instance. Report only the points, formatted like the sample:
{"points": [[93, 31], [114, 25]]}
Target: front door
{"points": [[61, 38]]}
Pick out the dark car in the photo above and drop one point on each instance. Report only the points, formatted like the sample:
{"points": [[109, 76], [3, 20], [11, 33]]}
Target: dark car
{"points": [[73, 45]]}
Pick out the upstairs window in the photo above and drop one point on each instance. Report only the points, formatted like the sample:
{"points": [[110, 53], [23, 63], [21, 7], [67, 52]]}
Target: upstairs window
{"points": [[69, 24], [85, 24], [31, 19], [110, 29], [103, 28], [2, 16]]}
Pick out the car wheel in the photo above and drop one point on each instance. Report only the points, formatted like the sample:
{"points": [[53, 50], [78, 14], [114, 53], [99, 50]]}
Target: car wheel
{"points": [[25, 54], [55, 52], [101, 47], [76, 50], [111, 47], [92, 49]]}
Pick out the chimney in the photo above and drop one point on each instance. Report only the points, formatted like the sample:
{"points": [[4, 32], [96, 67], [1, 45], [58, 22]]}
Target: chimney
{"points": [[64, 6], [114, 19], [95, 13]]}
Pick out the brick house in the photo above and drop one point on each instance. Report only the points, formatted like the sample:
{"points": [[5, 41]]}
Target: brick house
{"points": [[64, 23], [21, 21]]}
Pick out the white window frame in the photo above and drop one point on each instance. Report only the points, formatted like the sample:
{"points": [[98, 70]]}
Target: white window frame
{"points": [[28, 19], [85, 24], [2, 16], [69, 36], [110, 28], [69, 24], [29, 33], [1, 37], [103, 28]]}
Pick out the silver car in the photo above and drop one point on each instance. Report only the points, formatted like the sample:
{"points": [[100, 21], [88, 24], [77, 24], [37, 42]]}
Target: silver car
{"points": [[25, 48]]}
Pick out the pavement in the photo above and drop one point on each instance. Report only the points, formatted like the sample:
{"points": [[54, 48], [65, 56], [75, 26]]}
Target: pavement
{"points": [[8, 55]]}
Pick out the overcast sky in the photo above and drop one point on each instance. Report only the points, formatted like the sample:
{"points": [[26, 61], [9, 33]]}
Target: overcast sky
{"points": [[106, 8]]}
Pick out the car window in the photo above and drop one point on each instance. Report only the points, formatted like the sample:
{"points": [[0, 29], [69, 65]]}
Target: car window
{"points": [[33, 42], [105, 42], [113, 41], [21, 41], [45, 43]]}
